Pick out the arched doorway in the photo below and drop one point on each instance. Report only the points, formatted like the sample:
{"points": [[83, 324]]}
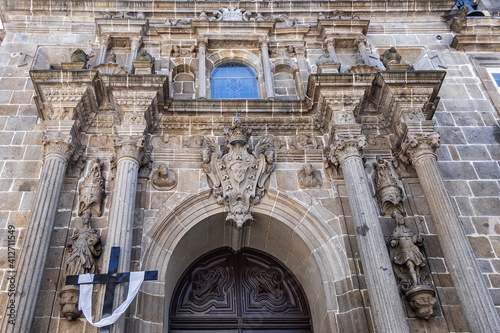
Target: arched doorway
{"points": [[242, 292]]}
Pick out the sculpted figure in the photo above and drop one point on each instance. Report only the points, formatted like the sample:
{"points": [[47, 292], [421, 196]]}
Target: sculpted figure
{"points": [[309, 178], [85, 248], [92, 191], [82, 254], [406, 253], [176, 51], [79, 56], [391, 56], [162, 179], [324, 59], [144, 56]]}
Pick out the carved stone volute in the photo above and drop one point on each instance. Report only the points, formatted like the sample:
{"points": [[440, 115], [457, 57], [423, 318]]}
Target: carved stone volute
{"points": [[238, 174], [130, 147]]}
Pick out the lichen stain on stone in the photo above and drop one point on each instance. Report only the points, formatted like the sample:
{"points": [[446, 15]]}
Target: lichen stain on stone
{"points": [[362, 230]]}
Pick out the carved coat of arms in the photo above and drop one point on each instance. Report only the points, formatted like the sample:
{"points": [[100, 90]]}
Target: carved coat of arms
{"points": [[238, 174]]}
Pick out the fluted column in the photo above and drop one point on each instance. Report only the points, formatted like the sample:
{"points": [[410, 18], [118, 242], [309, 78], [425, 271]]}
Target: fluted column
{"points": [[104, 41], [202, 71], [473, 293], [330, 46], [387, 310], [266, 67], [136, 43], [129, 150], [58, 149]]}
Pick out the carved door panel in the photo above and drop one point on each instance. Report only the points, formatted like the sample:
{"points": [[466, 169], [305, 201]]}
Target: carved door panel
{"points": [[246, 292]]}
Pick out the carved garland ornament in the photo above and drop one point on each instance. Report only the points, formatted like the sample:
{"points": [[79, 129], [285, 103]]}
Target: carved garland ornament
{"points": [[237, 173]]}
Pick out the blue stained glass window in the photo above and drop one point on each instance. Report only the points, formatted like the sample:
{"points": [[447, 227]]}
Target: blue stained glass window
{"points": [[496, 77], [233, 80]]}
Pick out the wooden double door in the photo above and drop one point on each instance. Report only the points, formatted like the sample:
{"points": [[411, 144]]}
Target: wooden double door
{"points": [[244, 292]]}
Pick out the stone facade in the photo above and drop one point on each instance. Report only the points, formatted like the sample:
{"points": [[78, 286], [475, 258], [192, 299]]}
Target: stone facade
{"points": [[352, 155]]}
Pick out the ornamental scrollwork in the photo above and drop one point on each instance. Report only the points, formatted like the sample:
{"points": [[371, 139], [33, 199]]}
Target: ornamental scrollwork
{"points": [[237, 173]]}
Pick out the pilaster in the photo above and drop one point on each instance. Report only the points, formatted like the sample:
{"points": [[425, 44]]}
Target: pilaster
{"points": [[266, 66], [202, 71]]}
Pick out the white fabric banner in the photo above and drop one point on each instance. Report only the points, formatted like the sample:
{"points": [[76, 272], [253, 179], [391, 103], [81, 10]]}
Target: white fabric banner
{"points": [[85, 300]]}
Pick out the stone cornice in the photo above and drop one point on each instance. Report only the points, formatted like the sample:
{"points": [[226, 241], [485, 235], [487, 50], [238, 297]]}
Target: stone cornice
{"points": [[477, 34], [83, 96], [161, 8]]}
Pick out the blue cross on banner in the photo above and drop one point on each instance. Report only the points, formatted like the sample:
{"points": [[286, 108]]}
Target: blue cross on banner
{"points": [[86, 281]]}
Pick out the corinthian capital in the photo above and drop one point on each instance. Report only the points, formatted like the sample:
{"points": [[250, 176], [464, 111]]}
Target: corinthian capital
{"points": [[345, 147], [130, 146], [56, 143], [417, 145]]}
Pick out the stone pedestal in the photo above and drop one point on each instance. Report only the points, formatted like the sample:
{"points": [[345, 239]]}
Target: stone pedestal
{"points": [[142, 67], [387, 310], [469, 283], [328, 68], [30, 270], [73, 65]]}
